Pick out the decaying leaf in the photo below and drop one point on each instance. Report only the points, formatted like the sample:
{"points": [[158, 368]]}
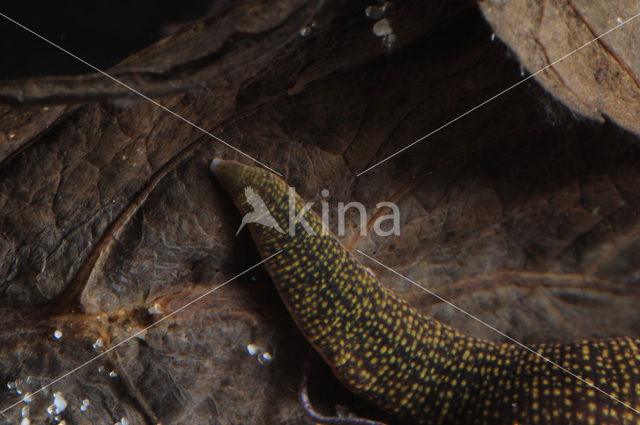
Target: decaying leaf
{"points": [[110, 220], [603, 78]]}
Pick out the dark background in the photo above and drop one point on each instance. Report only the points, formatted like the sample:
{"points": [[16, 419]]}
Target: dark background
{"points": [[102, 33]]}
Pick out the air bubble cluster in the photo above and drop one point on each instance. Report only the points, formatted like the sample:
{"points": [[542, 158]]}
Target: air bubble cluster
{"points": [[20, 388], [264, 357], [382, 27]]}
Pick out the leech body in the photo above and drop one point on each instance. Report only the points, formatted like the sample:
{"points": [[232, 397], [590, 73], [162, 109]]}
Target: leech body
{"points": [[413, 366]]}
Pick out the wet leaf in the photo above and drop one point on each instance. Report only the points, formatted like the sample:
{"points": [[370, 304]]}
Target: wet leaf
{"points": [[602, 79], [520, 213]]}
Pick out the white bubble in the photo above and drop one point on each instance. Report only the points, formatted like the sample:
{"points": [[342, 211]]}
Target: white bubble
{"points": [[57, 334], [374, 12], [59, 402], [98, 344], [304, 31], [253, 349], [265, 358], [155, 309], [382, 27]]}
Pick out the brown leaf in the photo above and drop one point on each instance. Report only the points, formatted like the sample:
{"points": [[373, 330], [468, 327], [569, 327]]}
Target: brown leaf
{"points": [[519, 213], [600, 80]]}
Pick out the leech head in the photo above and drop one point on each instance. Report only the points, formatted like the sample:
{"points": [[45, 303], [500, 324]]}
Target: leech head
{"points": [[268, 205], [257, 193], [234, 176]]}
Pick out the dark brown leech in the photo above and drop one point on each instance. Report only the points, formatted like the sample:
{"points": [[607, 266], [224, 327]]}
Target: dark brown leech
{"points": [[413, 366]]}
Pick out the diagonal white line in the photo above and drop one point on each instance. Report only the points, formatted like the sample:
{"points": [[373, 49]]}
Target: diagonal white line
{"points": [[136, 92], [499, 332], [497, 95], [138, 333]]}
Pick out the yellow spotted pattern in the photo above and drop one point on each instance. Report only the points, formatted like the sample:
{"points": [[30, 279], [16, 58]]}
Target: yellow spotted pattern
{"points": [[413, 366]]}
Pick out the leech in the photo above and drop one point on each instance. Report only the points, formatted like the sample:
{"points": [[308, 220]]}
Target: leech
{"points": [[410, 365]]}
